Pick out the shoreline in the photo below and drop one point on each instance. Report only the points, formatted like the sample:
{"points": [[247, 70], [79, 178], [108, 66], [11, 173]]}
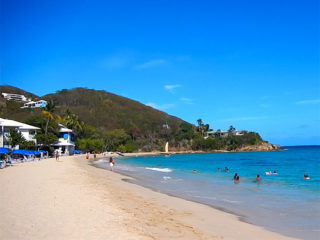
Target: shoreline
{"points": [[70, 199]]}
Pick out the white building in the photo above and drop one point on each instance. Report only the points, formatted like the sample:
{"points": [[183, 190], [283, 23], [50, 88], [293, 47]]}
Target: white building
{"points": [[223, 133], [65, 144], [37, 104], [27, 131], [15, 97]]}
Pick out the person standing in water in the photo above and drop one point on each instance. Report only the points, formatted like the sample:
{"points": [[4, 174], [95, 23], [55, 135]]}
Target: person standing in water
{"points": [[258, 178], [111, 163]]}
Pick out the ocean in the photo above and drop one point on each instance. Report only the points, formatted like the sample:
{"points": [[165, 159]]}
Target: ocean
{"points": [[282, 202]]}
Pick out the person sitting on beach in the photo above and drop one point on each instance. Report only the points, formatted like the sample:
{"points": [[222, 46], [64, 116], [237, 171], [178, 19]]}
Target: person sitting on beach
{"points": [[258, 178], [306, 177], [226, 169], [111, 163]]}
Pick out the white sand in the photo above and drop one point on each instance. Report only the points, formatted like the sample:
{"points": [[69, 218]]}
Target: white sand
{"points": [[72, 200]]}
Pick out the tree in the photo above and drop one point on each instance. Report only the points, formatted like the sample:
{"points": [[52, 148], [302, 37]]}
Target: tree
{"points": [[115, 138], [50, 115], [231, 130], [72, 121], [46, 139], [16, 138]]}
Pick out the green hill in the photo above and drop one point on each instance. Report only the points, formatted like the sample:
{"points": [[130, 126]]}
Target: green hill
{"points": [[105, 110], [116, 123], [101, 109]]}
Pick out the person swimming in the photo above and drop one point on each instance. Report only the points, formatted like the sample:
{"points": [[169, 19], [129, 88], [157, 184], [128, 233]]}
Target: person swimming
{"points": [[306, 177], [275, 172], [194, 171], [235, 176], [258, 178], [268, 173], [219, 169], [226, 169]]}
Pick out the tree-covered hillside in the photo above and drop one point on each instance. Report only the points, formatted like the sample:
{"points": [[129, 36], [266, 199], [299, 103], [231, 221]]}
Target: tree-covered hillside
{"points": [[107, 111], [105, 121]]}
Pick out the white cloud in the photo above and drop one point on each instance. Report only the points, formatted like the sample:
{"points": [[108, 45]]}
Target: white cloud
{"points": [[162, 107], [314, 101], [152, 63], [171, 88], [187, 100], [116, 61]]}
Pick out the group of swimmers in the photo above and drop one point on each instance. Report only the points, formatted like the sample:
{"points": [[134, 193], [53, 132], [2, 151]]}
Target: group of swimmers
{"points": [[236, 177]]}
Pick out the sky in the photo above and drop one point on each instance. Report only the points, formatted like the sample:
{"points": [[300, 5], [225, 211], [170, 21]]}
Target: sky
{"points": [[251, 64]]}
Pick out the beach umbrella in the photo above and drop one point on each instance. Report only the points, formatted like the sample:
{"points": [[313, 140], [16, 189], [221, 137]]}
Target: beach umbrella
{"points": [[18, 151], [4, 150]]}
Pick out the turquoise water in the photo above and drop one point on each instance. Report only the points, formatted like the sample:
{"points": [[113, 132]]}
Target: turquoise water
{"points": [[285, 203]]}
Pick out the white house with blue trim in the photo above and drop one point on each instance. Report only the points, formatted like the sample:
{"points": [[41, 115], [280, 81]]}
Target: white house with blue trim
{"points": [[65, 144], [37, 104]]}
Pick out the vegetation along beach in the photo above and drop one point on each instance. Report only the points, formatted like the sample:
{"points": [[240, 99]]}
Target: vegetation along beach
{"points": [[159, 120]]}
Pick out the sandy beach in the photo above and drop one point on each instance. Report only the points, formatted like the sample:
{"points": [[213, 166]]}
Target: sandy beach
{"points": [[70, 199]]}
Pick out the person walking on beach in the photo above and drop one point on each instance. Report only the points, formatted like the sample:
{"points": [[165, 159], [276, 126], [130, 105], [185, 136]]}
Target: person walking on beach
{"points": [[57, 155], [111, 163]]}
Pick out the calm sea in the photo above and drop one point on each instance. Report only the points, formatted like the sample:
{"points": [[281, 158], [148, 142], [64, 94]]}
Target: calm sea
{"points": [[284, 203]]}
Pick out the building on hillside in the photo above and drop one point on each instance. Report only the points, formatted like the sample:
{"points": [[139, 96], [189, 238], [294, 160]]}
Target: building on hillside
{"points": [[27, 131], [15, 97], [223, 133], [65, 144], [37, 104]]}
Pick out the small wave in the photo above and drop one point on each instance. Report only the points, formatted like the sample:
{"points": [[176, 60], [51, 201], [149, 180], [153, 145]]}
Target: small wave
{"points": [[160, 169], [230, 201], [206, 197], [166, 177]]}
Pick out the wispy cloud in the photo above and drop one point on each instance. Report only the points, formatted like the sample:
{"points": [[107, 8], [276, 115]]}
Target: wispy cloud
{"points": [[162, 107], [238, 119], [152, 63], [314, 101], [116, 61], [187, 100], [171, 88]]}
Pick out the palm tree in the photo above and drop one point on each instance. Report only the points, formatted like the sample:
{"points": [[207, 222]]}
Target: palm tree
{"points": [[48, 112], [72, 121], [201, 127]]}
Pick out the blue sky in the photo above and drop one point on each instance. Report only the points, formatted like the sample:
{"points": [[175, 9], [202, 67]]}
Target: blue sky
{"points": [[250, 64]]}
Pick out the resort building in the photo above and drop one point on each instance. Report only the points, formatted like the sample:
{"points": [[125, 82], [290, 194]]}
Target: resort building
{"points": [[15, 97], [27, 131], [65, 144], [37, 104], [223, 133]]}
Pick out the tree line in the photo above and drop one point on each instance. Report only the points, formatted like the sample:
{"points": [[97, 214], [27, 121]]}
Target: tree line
{"points": [[93, 139]]}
